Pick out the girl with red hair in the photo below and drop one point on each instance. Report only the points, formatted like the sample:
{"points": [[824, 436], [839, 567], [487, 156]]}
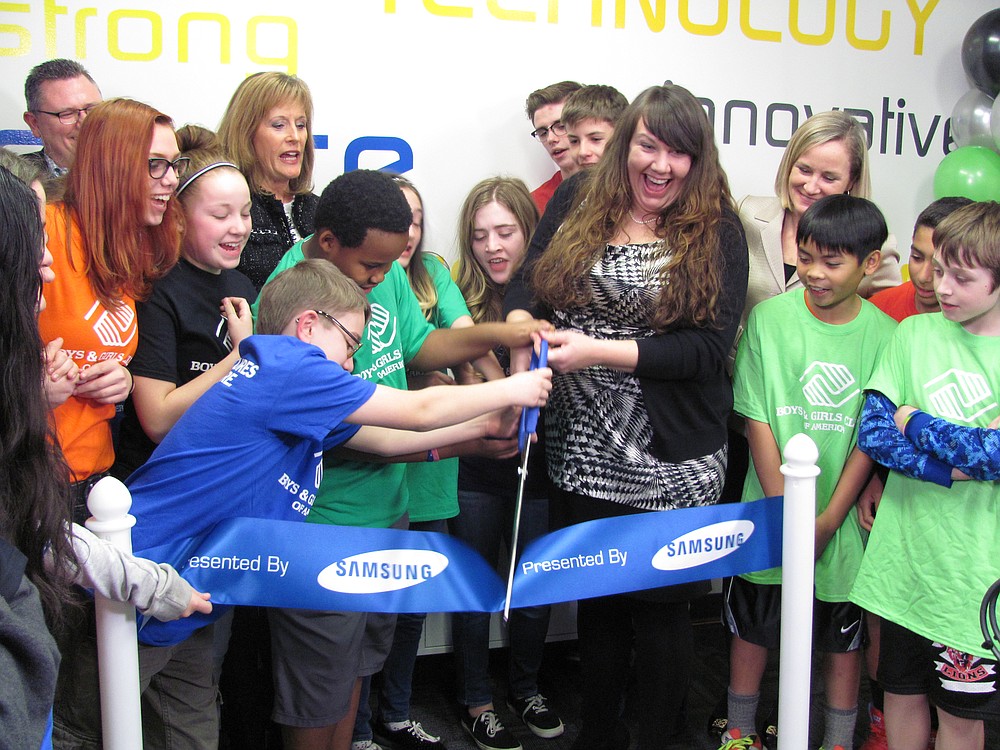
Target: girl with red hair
{"points": [[114, 232]]}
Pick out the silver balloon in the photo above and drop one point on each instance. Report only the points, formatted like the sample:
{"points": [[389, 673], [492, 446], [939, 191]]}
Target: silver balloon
{"points": [[995, 124], [970, 120]]}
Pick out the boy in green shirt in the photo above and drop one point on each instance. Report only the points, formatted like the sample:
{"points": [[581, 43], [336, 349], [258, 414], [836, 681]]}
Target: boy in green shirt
{"points": [[362, 224], [800, 367], [932, 552]]}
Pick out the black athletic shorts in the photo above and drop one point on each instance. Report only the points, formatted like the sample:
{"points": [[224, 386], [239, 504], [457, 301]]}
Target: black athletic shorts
{"points": [[959, 683], [752, 611]]}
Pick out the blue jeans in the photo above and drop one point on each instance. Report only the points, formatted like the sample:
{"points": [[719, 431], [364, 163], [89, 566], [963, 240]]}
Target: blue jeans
{"points": [[397, 673], [484, 520]]}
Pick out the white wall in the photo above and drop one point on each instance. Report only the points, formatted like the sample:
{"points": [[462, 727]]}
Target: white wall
{"points": [[450, 78]]}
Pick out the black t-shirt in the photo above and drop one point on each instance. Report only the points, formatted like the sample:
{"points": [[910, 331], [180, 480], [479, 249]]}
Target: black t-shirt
{"points": [[182, 333]]}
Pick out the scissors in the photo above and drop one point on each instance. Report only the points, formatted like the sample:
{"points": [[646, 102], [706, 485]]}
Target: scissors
{"points": [[529, 423]]}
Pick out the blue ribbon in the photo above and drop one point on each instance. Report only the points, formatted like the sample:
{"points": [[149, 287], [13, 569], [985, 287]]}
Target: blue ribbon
{"points": [[252, 561], [270, 563], [649, 550]]}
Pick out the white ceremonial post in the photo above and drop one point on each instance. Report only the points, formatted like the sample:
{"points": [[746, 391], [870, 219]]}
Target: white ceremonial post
{"points": [[798, 544], [117, 648]]}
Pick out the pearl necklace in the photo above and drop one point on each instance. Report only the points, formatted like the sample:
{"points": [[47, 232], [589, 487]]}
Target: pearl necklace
{"points": [[647, 222]]}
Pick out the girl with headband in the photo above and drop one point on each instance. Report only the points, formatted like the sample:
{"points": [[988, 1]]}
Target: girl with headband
{"points": [[191, 326]]}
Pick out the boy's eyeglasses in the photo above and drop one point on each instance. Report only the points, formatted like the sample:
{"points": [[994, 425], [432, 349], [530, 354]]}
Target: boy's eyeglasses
{"points": [[158, 167], [353, 342], [542, 133]]}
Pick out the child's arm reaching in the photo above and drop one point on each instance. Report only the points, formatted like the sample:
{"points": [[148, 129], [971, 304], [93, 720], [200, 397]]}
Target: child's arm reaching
{"points": [[386, 441], [974, 451], [881, 440], [155, 589], [870, 497], [442, 406]]}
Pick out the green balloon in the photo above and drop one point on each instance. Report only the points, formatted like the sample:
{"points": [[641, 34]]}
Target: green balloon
{"points": [[970, 172]]}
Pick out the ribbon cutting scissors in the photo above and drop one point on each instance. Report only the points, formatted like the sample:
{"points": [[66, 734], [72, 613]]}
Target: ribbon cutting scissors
{"points": [[529, 423]]}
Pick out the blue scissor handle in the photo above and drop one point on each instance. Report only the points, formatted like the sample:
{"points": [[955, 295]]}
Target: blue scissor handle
{"points": [[529, 416]]}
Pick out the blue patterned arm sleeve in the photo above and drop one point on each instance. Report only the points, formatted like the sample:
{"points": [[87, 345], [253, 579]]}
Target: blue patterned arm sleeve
{"points": [[881, 440], [973, 450]]}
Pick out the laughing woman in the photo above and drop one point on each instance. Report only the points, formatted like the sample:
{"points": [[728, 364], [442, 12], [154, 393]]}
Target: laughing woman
{"points": [[645, 280]]}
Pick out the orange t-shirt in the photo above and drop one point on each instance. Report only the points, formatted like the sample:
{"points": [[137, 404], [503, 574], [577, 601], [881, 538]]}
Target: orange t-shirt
{"points": [[91, 333], [898, 302]]}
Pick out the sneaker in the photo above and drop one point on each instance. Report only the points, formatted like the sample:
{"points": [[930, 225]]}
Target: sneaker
{"points": [[733, 740], [770, 735], [537, 716], [876, 731], [717, 721], [411, 737], [488, 732], [365, 745]]}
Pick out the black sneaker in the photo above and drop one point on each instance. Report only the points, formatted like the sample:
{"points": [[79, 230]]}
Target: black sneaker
{"points": [[770, 734], [537, 716], [488, 732], [411, 737], [717, 721]]}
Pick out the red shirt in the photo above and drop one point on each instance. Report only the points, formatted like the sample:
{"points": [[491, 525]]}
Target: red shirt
{"points": [[899, 302], [541, 194]]}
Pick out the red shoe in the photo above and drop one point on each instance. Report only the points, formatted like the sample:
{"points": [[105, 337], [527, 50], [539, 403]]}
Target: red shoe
{"points": [[876, 731]]}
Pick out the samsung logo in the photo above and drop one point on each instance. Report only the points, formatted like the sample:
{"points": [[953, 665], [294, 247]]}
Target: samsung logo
{"points": [[703, 545], [382, 570]]}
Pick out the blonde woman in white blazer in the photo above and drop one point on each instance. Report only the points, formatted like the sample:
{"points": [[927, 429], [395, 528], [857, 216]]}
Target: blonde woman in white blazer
{"points": [[827, 154]]}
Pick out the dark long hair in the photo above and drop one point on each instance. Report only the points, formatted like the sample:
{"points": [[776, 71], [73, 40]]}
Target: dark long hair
{"points": [[692, 278], [34, 495]]}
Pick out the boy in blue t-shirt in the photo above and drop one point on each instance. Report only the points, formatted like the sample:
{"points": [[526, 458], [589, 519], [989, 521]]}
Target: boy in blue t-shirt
{"points": [[800, 367], [931, 416], [259, 432], [289, 397]]}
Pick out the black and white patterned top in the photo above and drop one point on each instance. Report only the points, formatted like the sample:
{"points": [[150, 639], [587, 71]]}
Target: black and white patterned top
{"points": [[598, 428]]}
